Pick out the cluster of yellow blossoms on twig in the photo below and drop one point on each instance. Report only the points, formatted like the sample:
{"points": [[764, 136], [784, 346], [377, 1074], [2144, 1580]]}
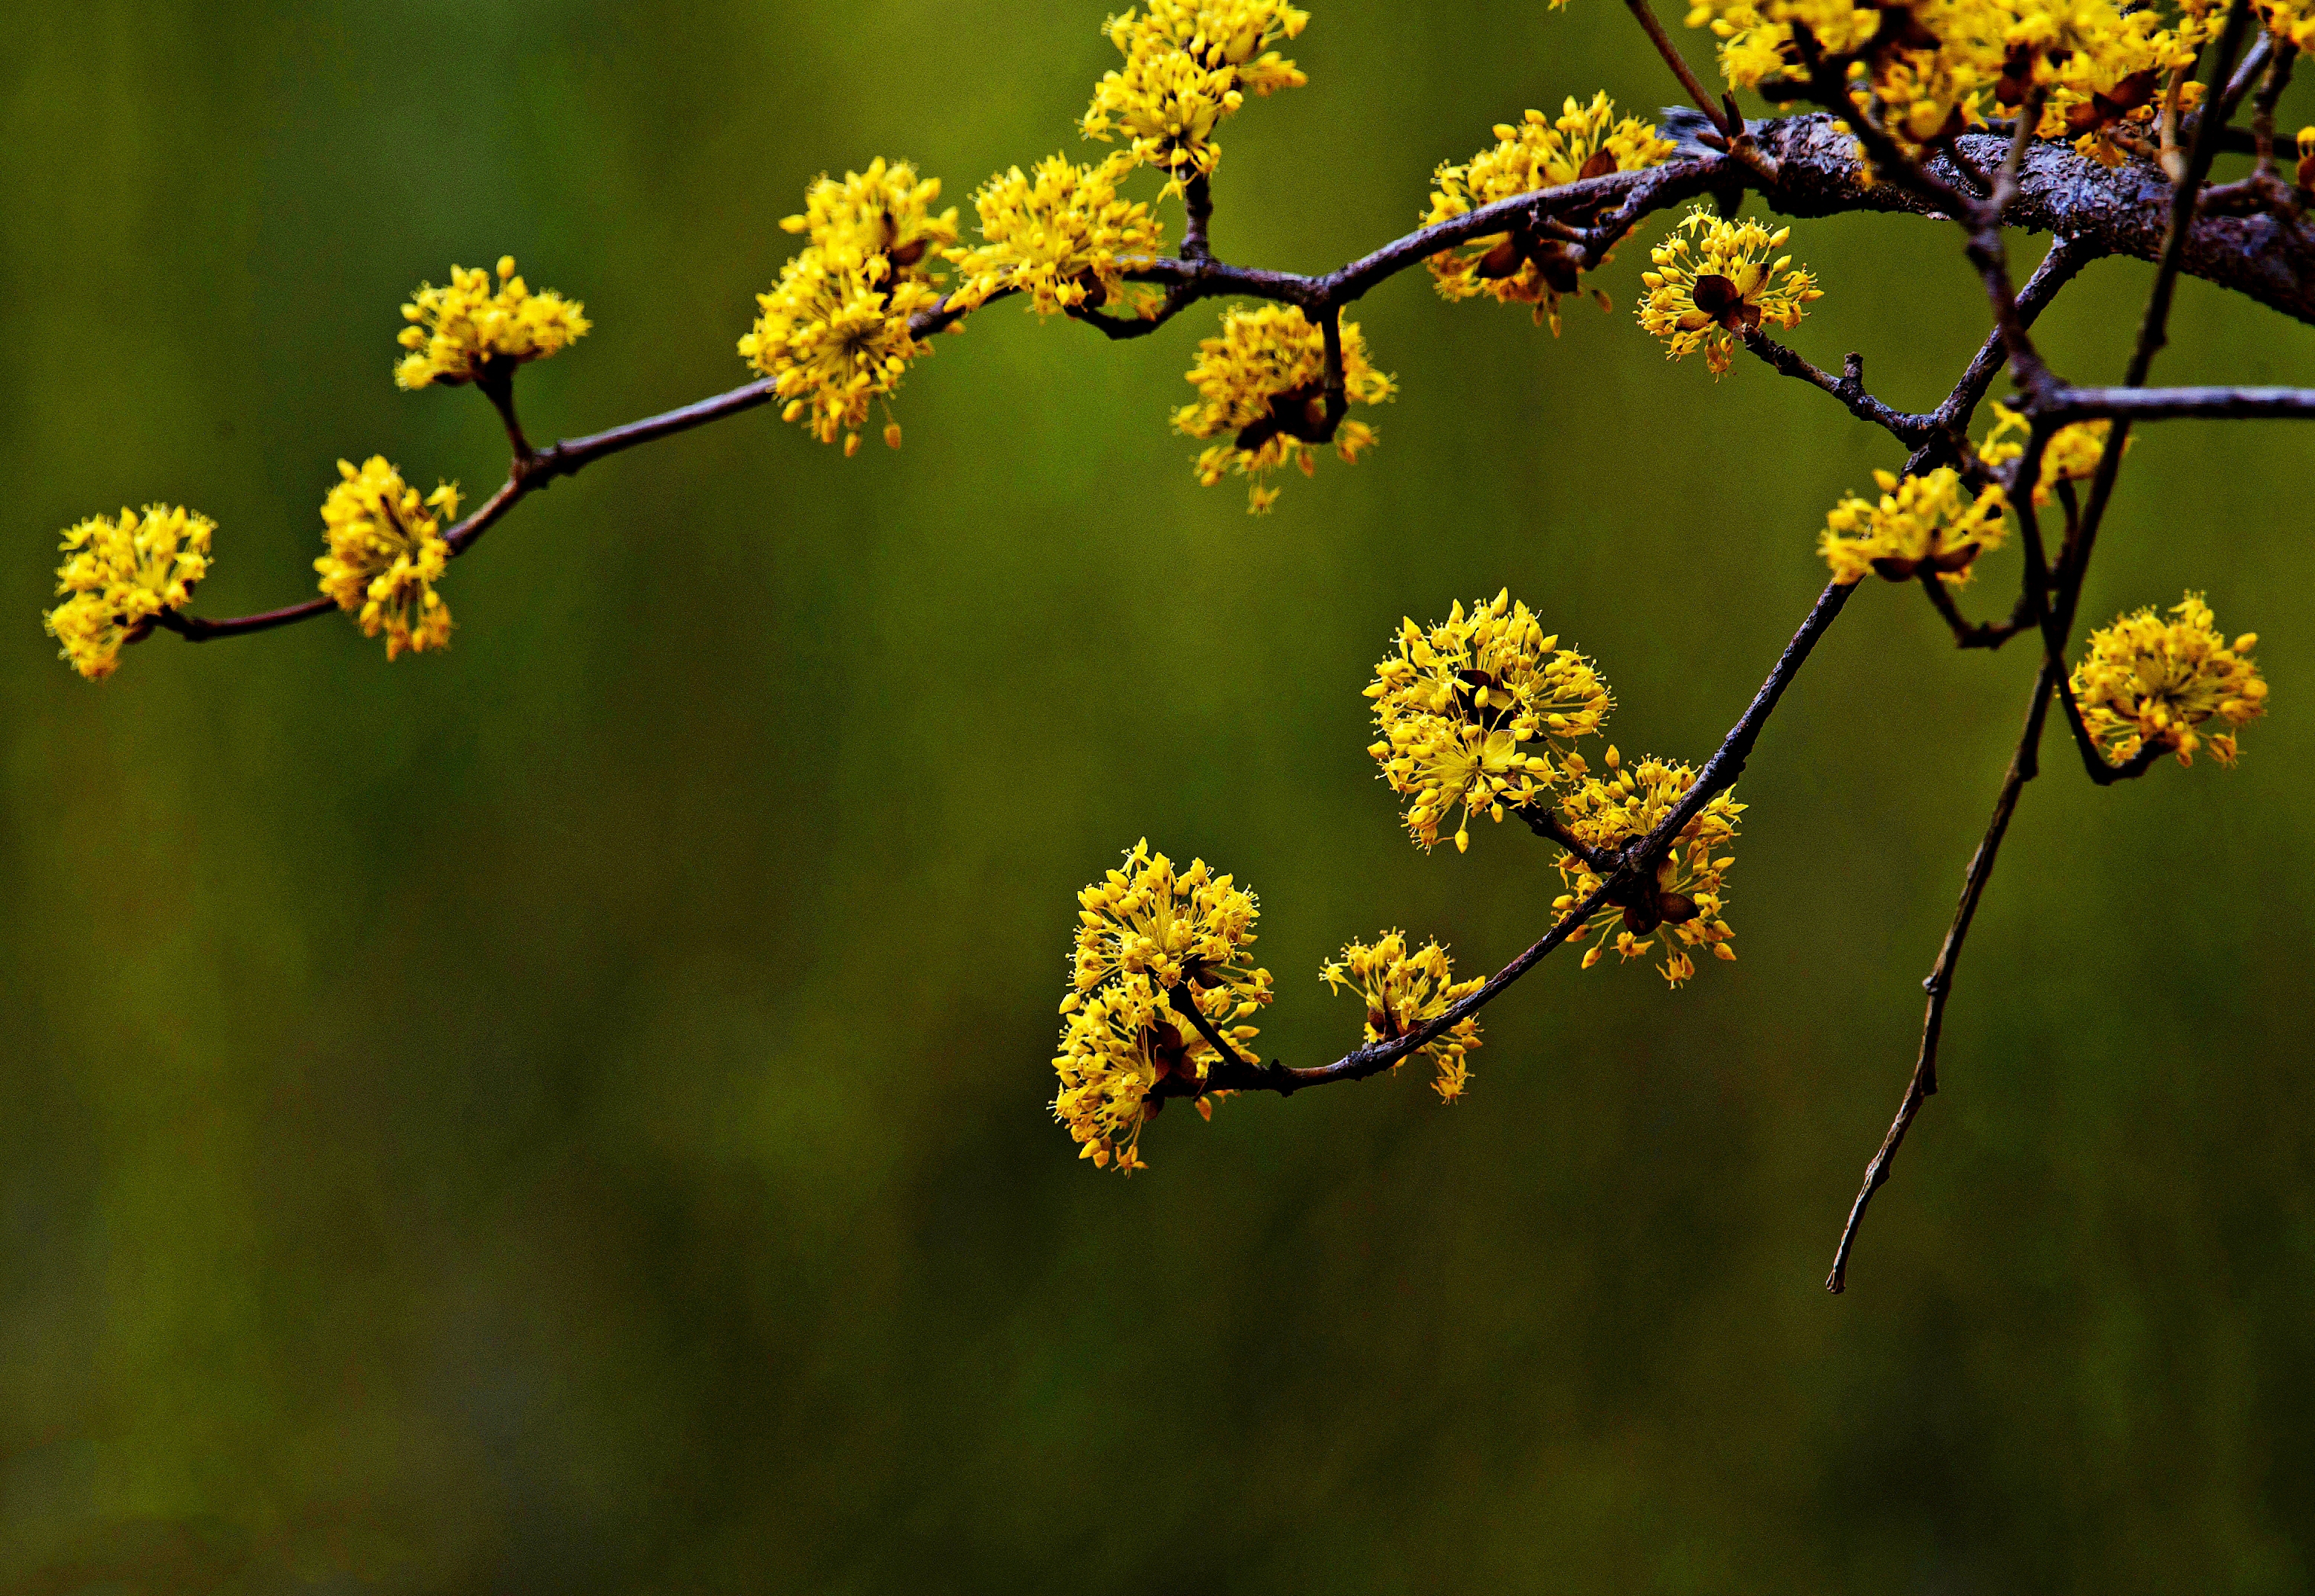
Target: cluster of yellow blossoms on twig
{"points": [[1520, 268], [476, 330], [2148, 681], [1158, 953], [2104, 73], [120, 576], [386, 544], [1714, 283], [1479, 713]]}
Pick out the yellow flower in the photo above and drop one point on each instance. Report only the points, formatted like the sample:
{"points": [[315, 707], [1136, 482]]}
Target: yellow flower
{"points": [[1520, 268], [1756, 36], [834, 337], [1461, 706], [1708, 293], [2306, 169], [460, 334], [1188, 65], [387, 551], [1922, 523], [1061, 235], [1149, 937], [119, 576], [1688, 897], [1264, 379], [833, 334], [2146, 681], [886, 210], [2291, 22], [1404, 992], [2071, 455]]}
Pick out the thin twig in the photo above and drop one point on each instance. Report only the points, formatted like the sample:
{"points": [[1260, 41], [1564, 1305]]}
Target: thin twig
{"points": [[1991, 255], [1968, 634], [1923, 1083], [2100, 770], [2065, 258], [1197, 217], [1697, 92], [1547, 824], [1186, 1003], [194, 629], [496, 385], [1849, 387]]}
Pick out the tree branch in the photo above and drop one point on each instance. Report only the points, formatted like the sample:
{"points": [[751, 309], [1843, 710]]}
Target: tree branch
{"points": [[1849, 387], [2023, 765], [1637, 863], [1968, 634], [2100, 770], [2096, 211], [2156, 404]]}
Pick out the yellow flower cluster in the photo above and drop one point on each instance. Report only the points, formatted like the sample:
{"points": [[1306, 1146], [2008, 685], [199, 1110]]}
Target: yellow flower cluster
{"points": [[1263, 380], [1461, 705], [1922, 523], [2147, 680], [1061, 235], [2071, 455], [119, 576], [1714, 283], [1536, 152], [1147, 936], [387, 551], [1188, 65], [2292, 22], [1688, 895], [834, 335], [1406, 991], [474, 328], [1925, 70]]}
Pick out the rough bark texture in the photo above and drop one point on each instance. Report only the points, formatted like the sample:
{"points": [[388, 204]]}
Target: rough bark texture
{"points": [[2121, 210]]}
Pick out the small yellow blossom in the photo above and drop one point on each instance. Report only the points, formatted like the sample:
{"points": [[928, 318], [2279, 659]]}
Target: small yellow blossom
{"points": [[473, 330], [1188, 65], [387, 551], [2147, 680], [1481, 712], [1714, 282], [1147, 938], [1061, 235], [1922, 523], [886, 210], [1405, 992], [2305, 173], [1263, 380], [1689, 895], [1756, 36], [1520, 268], [119, 576], [2071, 455]]}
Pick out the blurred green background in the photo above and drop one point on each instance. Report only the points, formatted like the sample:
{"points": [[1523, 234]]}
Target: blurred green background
{"points": [[570, 1114]]}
